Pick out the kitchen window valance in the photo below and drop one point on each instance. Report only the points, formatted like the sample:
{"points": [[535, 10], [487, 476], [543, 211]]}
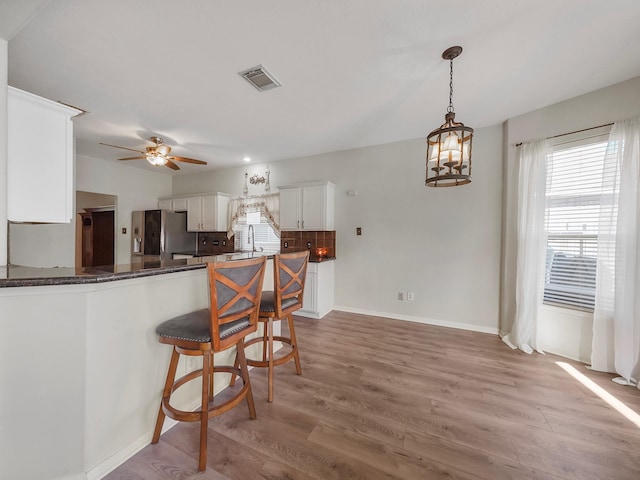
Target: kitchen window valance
{"points": [[267, 205]]}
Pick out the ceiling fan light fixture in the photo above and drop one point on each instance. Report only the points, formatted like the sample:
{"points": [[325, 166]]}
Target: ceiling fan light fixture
{"points": [[157, 160], [158, 155], [163, 149]]}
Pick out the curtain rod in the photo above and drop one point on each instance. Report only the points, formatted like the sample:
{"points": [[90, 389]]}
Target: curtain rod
{"points": [[575, 131]]}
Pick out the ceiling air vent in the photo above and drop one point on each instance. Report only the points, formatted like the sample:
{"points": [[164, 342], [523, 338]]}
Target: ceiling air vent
{"points": [[260, 78]]}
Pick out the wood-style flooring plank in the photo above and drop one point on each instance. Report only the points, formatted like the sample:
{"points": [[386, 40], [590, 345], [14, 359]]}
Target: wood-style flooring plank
{"points": [[388, 399]]}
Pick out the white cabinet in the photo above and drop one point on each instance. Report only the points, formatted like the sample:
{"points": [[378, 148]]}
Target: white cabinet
{"points": [[40, 186], [318, 290], [179, 204], [207, 213], [307, 206], [173, 204]]}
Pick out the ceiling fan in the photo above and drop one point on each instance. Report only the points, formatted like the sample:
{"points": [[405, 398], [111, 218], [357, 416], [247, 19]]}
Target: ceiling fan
{"points": [[158, 155]]}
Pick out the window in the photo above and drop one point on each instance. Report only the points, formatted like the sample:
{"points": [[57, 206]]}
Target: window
{"points": [[265, 237], [573, 196]]}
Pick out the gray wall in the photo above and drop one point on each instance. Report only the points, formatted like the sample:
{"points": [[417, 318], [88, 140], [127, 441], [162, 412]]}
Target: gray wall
{"points": [[443, 244]]}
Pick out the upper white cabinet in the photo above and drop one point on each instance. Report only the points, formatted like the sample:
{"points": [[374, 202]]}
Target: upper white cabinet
{"points": [[207, 213], [40, 184], [179, 204], [174, 204], [307, 206], [165, 204]]}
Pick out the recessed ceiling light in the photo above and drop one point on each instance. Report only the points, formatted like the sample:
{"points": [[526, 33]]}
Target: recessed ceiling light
{"points": [[247, 159]]}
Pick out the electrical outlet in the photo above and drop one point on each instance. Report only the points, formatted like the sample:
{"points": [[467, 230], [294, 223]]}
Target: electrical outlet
{"points": [[409, 295], [401, 296], [286, 244]]}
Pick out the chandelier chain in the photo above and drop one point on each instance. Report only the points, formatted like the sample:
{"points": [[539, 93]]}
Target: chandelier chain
{"points": [[450, 107]]}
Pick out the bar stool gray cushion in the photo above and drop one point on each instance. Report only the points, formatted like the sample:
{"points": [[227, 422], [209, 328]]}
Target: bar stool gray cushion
{"points": [[194, 326], [268, 302]]}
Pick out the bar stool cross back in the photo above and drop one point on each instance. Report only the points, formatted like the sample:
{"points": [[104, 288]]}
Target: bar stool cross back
{"points": [[235, 290], [289, 272]]}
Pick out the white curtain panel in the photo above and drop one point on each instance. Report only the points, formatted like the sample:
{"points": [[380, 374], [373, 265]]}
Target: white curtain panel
{"points": [[616, 324], [531, 244]]}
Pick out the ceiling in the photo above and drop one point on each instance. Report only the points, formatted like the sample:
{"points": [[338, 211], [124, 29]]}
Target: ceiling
{"points": [[354, 72]]}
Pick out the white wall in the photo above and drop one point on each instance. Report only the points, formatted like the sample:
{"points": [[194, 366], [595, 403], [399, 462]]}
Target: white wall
{"points": [[563, 332], [443, 244], [54, 245], [3, 150], [135, 188]]}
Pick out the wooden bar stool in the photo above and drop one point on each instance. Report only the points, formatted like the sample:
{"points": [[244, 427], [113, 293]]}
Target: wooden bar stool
{"points": [[289, 271], [235, 290]]}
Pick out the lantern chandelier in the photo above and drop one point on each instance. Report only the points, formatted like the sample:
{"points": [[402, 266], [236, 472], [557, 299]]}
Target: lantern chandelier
{"points": [[449, 146]]}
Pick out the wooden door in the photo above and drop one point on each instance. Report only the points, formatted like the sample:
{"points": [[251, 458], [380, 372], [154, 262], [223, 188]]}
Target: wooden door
{"points": [[103, 238]]}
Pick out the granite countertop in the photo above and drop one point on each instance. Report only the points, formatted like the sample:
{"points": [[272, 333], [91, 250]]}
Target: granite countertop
{"points": [[18, 276], [312, 259]]}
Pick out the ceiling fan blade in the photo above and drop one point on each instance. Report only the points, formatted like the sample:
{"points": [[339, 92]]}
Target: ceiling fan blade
{"points": [[172, 165], [133, 158], [188, 160], [117, 146]]}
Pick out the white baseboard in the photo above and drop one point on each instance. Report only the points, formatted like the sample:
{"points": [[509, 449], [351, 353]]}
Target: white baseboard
{"points": [[114, 461], [109, 464], [427, 321], [79, 476]]}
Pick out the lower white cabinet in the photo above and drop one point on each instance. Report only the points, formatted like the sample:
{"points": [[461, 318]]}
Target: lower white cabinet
{"points": [[318, 290]]}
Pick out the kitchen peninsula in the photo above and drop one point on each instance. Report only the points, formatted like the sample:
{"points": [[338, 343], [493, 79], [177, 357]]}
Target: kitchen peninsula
{"points": [[18, 276], [82, 362]]}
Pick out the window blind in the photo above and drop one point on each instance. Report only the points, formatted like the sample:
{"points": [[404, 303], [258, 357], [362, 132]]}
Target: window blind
{"points": [[265, 237], [573, 198]]}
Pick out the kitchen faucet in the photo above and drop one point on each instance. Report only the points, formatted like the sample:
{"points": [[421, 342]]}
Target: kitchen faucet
{"points": [[252, 233]]}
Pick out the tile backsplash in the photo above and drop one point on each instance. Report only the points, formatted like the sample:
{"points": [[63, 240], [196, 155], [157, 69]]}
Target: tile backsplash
{"points": [[297, 241], [214, 243]]}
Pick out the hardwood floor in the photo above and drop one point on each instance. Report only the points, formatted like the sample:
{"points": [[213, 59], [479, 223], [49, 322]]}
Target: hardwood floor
{"points": [[387, 399]]}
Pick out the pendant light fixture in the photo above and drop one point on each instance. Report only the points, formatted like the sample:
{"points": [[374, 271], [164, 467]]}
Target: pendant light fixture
{"points": [[449, 146]]}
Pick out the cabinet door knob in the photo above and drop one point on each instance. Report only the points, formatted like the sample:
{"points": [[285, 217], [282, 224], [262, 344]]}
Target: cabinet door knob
{"points": [[298, 224], [302, 223]]}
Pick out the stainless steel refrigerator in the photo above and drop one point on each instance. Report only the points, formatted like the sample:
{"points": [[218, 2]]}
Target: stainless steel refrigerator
{"points": [[158, 234]]}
